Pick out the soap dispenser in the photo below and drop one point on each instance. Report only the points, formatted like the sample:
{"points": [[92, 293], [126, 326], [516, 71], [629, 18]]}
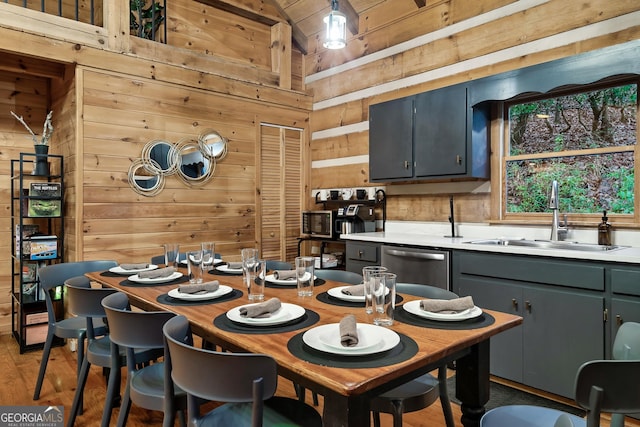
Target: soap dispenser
{"points": [[604, 231]]}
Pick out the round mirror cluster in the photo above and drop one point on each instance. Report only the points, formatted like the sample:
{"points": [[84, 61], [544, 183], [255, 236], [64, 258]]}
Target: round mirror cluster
{"points": [[192, 160]]}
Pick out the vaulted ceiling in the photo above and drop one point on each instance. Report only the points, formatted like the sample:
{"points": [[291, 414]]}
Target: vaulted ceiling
{"points": [[304, 16]]}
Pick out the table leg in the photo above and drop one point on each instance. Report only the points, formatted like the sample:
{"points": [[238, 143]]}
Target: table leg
{"points": [[345, 411], [472, 383]]}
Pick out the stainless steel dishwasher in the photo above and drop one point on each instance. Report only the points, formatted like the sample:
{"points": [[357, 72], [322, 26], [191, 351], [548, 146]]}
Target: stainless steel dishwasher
{"points": [[414, 265]]}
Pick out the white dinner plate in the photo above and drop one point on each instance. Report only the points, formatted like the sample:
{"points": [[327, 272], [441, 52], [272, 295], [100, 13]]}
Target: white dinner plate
{"points": [[175, 275], [413, 307], [225, 269], [286, 313], [337, 293], [372, 339], [200, 296], [120, 270], [291, 282]]}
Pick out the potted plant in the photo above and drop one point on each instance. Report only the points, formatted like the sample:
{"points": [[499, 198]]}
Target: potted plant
{"points": [[40, 145], [145, 22]]}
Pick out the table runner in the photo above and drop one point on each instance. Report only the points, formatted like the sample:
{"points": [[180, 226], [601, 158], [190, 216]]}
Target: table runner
{"points": [[405, 350]]}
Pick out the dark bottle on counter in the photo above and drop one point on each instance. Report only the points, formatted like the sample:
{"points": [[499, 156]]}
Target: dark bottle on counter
{"points": [[604, 231]]}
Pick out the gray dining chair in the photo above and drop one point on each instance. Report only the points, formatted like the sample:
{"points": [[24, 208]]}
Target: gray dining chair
{"points": [[339, 276], [148, 386], [601, 386], [86, 301], [278, 265], [246, 382], [52, 276], [420, 392]]}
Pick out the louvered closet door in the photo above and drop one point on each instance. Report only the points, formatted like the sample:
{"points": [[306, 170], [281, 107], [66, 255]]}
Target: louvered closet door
{"points": [[280, 189]]}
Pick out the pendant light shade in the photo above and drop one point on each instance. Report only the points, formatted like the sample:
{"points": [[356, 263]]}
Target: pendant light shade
{"points": [[336, 28]]}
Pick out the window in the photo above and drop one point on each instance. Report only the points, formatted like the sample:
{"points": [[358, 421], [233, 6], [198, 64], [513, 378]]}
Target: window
{"points": [[584, 138]]}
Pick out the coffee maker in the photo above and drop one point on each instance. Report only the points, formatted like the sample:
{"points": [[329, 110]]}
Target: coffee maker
{"points": [[355, 219]]}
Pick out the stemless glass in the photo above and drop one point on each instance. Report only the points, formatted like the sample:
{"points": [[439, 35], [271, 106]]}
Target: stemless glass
{"points": [[249, 262], [305, 275], [384, 298], [195, 266], [171, 254], [369, 280], [208, 255]]}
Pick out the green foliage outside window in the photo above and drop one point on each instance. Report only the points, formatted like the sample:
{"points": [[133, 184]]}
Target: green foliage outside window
{"points": [[600, 121], [145, 21]]}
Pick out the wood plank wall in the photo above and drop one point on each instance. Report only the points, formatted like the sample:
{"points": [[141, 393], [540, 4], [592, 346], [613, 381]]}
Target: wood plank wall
{"points": [[462, 40]]}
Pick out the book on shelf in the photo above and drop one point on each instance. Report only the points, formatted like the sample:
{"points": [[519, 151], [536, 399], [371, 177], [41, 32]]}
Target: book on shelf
{"points": [[23, 243], [45, 199]]}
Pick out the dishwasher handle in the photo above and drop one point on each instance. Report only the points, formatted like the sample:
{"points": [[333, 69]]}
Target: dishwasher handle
{"points": [[419, 255]]}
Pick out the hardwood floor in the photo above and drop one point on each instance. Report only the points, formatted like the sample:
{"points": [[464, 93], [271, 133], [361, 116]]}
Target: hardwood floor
{"points": [[21, 370]]}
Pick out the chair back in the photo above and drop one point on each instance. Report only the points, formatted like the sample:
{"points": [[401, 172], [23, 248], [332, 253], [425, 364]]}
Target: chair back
{"points": [[426, 291], [339, 276], [212, 375], [626, 345], [86, 301], [134, 329], [608, 386], [278, 265], [51, 276]]}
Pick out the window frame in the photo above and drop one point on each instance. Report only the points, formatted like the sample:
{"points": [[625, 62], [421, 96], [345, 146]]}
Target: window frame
{"points": [[501, 145]]}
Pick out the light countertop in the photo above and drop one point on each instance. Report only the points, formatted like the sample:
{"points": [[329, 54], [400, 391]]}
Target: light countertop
{"points": [[627, 254]]}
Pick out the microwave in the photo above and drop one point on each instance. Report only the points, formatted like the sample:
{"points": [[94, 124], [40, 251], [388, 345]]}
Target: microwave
{"points": [[319, 224]]}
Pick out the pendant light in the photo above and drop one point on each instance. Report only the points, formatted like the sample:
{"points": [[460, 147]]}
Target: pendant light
{"points": [[336, 28]]}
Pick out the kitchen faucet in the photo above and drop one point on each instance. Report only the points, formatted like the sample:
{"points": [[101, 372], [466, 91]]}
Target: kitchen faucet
{"points": [[558, 232]]}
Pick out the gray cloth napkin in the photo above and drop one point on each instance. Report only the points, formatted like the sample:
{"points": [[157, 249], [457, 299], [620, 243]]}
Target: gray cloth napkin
{"points": [[348, 331], [261, 310], [198, 287], [138, 266], [451, 306], [157, 273], [355, 290], [234, 265], [284, 274]]}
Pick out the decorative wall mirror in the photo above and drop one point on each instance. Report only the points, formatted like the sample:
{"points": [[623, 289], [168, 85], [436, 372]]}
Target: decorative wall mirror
{"points": [[160, 157], [212, 144], [193, 160], [193, 166], [143, 181]]}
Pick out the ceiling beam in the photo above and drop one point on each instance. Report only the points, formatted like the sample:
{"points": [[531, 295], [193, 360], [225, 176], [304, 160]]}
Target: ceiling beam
{"points": [[353, 19], [299, 38]]}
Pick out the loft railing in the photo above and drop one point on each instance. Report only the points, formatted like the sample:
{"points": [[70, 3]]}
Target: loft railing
{"points": [[147, 17]]}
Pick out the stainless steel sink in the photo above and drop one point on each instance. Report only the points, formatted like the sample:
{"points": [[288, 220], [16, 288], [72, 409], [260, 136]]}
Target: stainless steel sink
{"points": [[547, 244]]}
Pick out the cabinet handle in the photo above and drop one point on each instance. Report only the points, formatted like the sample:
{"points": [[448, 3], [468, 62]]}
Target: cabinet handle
{"points": [[514, 303], [458, 159], [406, 164], [527, 305], [359, 254], [619, 320]]}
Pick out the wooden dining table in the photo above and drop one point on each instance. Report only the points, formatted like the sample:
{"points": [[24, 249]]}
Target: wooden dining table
{"points": [[347, 383]]}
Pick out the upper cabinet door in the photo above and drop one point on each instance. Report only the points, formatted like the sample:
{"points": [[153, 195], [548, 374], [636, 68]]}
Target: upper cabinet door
{"points": [[440, 132], [390, 140]]}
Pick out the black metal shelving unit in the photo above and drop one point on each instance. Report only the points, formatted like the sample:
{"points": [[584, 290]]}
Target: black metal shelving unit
{"points": [[29, 318]]}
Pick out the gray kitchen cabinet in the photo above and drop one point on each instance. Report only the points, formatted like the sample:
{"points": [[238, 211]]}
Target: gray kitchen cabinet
{"points": [[361, 254], [432, 135], [625, 298], [563, 324], [391, 140]]}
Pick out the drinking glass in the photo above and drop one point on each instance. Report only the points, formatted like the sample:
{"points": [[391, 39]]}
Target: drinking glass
{"points": [[384, 298], [256, 277], [249, 261], [195, 266], [171, 254], [208, 255], [305, 275], [368, 281]]}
